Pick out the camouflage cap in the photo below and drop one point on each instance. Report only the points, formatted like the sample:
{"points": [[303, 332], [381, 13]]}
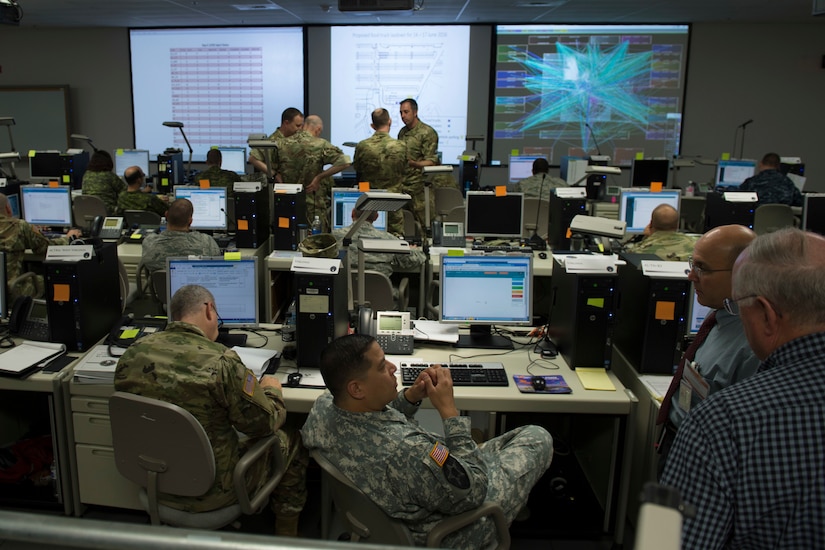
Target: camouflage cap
{"points": [[322, 245]]}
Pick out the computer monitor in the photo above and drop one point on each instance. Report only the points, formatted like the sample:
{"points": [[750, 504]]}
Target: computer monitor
{"points": [[14, 202], [124, 158], [233, 283], [489, 215], [521, 166], [636, 207], [731, 173], [233, 159], [486, 291], [343, 201], [4, 306], [813, 212], [49, 206], [45, 165], [209, 206], [696, 315], [645, 171]]}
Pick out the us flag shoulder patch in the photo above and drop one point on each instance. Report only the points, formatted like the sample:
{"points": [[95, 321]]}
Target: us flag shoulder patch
{"points": [[249, 383], [439, 454]]}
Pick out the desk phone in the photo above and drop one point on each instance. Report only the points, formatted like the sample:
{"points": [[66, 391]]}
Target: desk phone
{"points": [[393, 332]]}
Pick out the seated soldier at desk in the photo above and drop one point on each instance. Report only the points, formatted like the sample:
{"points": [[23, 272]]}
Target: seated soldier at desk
{"points": [[217, 176], [662, 238], [137, 195], [178, 239], [184, 365], [365, 427], [16, 236]]}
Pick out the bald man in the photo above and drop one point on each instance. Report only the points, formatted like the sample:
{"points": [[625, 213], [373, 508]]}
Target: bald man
{"points": [[663, 238]]}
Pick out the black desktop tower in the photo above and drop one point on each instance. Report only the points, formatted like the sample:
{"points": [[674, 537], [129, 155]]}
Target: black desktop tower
{"points": [[651, 317], [321, 313], [252, 218], [581, 317], [718, 212], [562, 212], [72, 168], [468, 172], [289, 210], [83, 298], [170, 170]]}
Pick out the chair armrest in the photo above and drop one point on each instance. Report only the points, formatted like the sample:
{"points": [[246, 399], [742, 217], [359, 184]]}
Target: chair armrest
{"points": [[403, 294], [260, 450], [454, 523], [39, 289]]}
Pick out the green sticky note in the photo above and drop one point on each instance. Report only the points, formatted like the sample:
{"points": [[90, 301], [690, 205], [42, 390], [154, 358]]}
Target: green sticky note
{"points": [[725, 156], [596, 302], [640, 155], [455, 252], [236, 255], [32, 152], [129, 333], [514, 152], [118, 152]]}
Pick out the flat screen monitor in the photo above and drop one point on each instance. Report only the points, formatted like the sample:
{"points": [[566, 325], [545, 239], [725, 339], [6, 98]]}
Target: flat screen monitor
{"points": [[209, 206], [233, 159], [488, 215], [646, 171], [14, 202], [49, 206], [813, 212], [44, 165], [233, 283], [731, 173], [636, 207], [124, 158], [520, 167], [696, 315], [343, 201], [4, 306], [486, 291]]}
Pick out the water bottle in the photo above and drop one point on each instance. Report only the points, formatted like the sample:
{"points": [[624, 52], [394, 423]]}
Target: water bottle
{"points": [[288, 328], [316, 226], [690, 189], [162, 227]]}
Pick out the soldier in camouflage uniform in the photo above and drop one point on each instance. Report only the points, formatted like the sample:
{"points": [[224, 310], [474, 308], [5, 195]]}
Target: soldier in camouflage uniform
{"points": [[382, 161], [540, 183], [216, 176], [137, 195], [422, 150], [185, 366], [292, 120], [100, 181], [365, 426], [771, 185], [302, 158], [178, 239], [16, 236], [662, 237]]}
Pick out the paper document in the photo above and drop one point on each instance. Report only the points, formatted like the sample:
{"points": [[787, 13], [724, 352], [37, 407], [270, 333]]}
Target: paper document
{"points": [[595, 379], [28, 355], [656, 384], [98, 366], [255, 359], [435, 331]]}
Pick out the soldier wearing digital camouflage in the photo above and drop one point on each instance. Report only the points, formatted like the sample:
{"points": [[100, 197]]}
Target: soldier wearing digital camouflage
{"points": [[292, 120], [771, 185], [541, 184], [16, 236], [302, 159], [178, 239], [365, 427], [184, 365], [381, 160], [99, 180], [662, 237], [217, 176], [137, 195], [422, 150]]}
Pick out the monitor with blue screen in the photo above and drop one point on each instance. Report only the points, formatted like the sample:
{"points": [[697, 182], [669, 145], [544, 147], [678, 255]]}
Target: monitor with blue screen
{"points": [[233, 159], [636, 207], [697, 314], [731, 173], [343, 201], [209, 206], [14, 202], [49, 206], [486, 291], [124, 158], [521, 166]]}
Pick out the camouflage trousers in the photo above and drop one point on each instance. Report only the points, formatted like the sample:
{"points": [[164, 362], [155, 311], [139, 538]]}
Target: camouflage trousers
{"points": [[417, 205], [290, 495]]}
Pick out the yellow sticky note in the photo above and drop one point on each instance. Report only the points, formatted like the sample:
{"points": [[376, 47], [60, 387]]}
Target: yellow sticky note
{"points": [[595, 379], [501, 190], [363, 186], [725, 156], [596, 302], [655, 186], [67, 178], [243, 225], [61, 293], [283, 223], [118, 152], [640, 155], [164, 182], [54, 183], [514, 152], [136, 236], [129, 333], [32, 152], [234, 255], [204, 184], [455, 252], [214, 147], [665, 311]]}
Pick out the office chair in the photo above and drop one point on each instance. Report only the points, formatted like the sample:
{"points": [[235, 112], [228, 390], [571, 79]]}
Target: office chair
{"points": [[379, 292], [692, 214], [412, 229], [447, 198], [536, 209], [455, 214], [141, 218], [431, 304], [770, 217], [125, 290], [85, 208], [370, 524], [158, 286], [164, 449]]}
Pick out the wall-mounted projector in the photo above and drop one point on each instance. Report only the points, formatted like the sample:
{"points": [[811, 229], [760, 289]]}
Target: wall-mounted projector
{"points": [[10, 12], [368, 6]]}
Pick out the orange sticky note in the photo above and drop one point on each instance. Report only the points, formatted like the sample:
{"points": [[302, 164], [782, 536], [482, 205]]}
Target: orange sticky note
{"points": [[283, 223], [243, 225], [655, 186], [501, 190], [568, 234], [363, 186], [204, 184], [665, 311], [61, 293], [54, 183]]}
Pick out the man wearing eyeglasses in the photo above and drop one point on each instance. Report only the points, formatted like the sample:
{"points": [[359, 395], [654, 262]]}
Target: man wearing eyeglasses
{"points": [[750, 458], [723, 356], [185, 366]]}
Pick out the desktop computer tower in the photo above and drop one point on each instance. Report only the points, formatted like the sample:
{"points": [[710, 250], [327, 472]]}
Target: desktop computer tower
{"points": [[289, 210], [72, 168], [468, 172], [170, 170], [581, 316], [562, 212], [651, 318], [252, 218], [321, 313], [719, 211], [83, 298]]}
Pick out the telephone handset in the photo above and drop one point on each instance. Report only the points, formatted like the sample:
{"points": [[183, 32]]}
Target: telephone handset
{"points": [[366, 324], [30, 319], [127, 329]]}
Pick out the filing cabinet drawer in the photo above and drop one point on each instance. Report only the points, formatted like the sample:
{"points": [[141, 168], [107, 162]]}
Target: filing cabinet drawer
{"points": [[100, 482], [92, 428], [94, 405]]}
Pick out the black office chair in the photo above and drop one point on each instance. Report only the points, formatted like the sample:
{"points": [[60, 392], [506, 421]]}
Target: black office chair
{"points": [[141, 218]]}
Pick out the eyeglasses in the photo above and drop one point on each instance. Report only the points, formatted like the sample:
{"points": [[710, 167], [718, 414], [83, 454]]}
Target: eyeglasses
{"points": [[732, 306], [701, 271], [215, 309]]}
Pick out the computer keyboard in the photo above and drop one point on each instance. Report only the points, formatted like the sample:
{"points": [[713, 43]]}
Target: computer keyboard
{"points": [[464, 374], [500, 248]]}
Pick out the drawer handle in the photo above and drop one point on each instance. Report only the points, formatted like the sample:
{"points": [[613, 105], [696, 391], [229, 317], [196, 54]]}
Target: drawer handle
{"points": [[104, 421], [108, 453]]}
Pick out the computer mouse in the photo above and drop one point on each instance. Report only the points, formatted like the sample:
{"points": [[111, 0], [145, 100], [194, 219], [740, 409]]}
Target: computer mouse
{"points": [[294, 379], [538, 382], [543, 255]]}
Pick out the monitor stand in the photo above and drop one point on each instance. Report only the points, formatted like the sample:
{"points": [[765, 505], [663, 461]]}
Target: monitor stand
{"points": [[230, 340], [481, 336]]}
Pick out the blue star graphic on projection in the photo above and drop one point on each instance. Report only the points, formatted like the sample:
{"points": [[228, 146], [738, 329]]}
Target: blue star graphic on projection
{"points": [[586, 86]]}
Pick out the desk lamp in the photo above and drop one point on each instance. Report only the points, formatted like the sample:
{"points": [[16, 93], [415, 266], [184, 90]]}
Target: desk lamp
{"points": [[87, 139], [179, 126], [261, 141], [8, 122], [10, 159]]}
